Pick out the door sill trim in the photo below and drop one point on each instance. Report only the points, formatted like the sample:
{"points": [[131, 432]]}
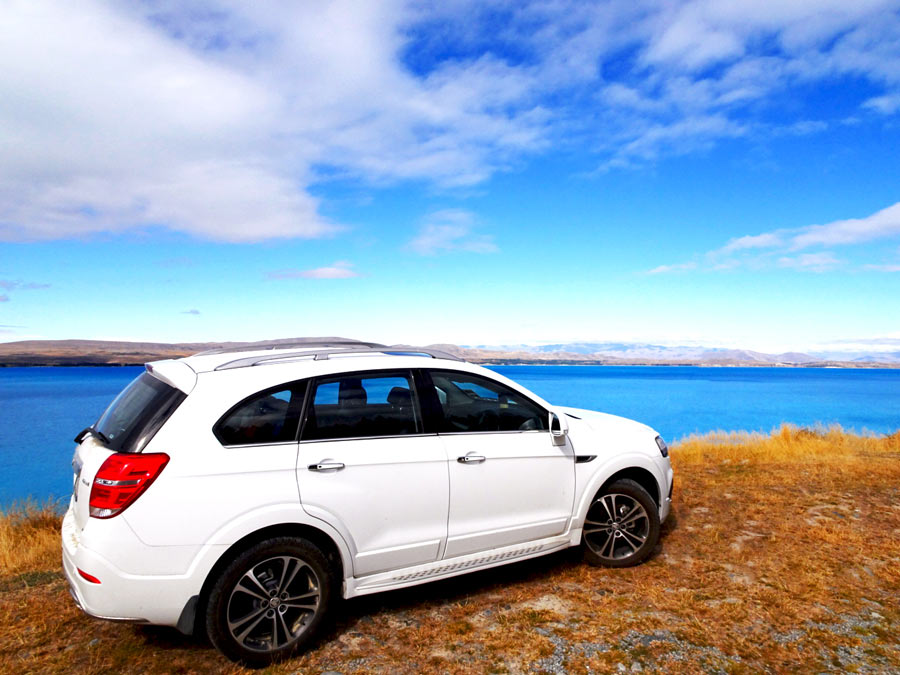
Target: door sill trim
{"points": [[442, 569]]}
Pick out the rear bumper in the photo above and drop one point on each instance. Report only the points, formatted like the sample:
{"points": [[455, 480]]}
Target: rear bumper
{"points": [[80, 591], [121, 596]]}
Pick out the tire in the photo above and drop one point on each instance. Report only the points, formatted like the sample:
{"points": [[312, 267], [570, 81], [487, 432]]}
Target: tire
{"points": [[270, 601], [621, 527]]}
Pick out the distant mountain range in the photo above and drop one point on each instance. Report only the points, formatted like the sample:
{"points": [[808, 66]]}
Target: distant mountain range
{"points": [[700, 354], [101, 352]]}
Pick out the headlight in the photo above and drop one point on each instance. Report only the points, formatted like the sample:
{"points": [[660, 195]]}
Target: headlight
{"points": [[663, 448]]}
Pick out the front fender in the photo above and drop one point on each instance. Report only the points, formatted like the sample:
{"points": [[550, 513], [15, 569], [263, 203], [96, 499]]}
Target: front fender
{"points": [[590, 482]]}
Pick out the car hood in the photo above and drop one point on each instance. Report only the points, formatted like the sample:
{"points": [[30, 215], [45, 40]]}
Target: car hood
{"points": [[604, 422]]}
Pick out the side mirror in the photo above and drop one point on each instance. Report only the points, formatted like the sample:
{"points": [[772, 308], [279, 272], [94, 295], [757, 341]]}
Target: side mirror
{"points": [[559, 428]]}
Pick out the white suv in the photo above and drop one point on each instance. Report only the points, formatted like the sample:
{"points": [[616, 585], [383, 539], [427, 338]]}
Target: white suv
{"points": [[244, 491]]}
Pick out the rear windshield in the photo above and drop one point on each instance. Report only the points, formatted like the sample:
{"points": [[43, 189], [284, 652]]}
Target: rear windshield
{"points": [[137, 413]]}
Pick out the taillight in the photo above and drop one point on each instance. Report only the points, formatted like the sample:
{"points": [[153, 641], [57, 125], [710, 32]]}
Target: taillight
{"points": [[122, 478]]}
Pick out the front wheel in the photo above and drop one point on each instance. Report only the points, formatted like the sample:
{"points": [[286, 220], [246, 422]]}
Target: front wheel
{"points": [[621, 527], [269, 601]]}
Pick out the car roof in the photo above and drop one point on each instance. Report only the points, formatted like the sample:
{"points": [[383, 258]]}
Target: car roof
{"points": [[251, 368], [304, 359]]}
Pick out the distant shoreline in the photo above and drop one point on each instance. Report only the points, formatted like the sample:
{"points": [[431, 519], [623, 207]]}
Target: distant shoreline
{"points": [[837, 366], [103, 353]]}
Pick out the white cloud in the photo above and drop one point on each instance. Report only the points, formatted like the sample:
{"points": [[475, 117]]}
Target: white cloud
{"points": [[110, 126], [217, 119], [10, 285], [880, 225], [451, 230], [883, 268], [814, 262], [766, 240], [665, 269], [703, 69], [681, 136], [18, 285], [804, 128], [886, 105], [342, 269], [758, 250], [192, 312], [884, 223], [213, 199]]}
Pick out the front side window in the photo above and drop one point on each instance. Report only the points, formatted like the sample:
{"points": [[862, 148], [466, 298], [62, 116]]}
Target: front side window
{"points": [[360, 406], [471, 403], [267, 417]]}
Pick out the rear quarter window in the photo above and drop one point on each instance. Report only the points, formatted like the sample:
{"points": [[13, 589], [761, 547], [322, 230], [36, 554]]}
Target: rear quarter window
{"points": [[137, 413], [269, 416]]}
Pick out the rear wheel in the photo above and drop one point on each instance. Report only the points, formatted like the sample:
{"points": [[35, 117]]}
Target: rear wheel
{"points": [[621, 527], [270, 601]]}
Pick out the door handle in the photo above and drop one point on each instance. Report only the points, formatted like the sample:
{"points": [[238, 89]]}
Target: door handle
{"points": [[470, 459], [326, 466]]}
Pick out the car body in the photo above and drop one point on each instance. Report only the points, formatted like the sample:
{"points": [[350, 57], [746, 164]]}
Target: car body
{"points": [[366, 467]]}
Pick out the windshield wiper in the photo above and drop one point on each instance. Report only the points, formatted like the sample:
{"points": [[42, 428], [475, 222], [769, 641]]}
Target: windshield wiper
{"points": [[91, 431]]}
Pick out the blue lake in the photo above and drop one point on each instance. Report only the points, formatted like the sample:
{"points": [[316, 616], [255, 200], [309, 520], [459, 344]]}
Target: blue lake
{"points": [[43, 408]]}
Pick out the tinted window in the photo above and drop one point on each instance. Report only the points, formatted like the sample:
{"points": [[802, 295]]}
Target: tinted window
{"points": [[267, 417], [474, 403], [137, 413], [328, 393], [359, 406]]}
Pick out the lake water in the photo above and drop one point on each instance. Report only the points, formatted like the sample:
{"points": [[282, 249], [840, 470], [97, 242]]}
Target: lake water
{"points": [[43, 408]]}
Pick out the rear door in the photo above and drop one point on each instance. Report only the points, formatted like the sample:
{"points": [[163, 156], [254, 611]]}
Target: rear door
{"points": [[508, 483], [366, 466]]}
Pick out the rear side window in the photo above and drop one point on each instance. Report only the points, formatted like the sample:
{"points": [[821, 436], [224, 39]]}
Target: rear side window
{"points": [[137, 413], [267, 417], [471, 403], [362, 406]]}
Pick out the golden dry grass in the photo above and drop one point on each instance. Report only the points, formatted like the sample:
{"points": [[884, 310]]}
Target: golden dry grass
{"points": [[782, 555], [29, 538]]}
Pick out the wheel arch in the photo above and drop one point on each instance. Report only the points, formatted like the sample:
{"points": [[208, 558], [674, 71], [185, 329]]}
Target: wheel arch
{"points": [[639, 475], [635, 466], [321, 539]]}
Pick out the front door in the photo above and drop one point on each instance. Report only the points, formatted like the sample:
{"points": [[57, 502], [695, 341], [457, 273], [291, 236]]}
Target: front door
{"points": [[508, 483], [366, 467]]}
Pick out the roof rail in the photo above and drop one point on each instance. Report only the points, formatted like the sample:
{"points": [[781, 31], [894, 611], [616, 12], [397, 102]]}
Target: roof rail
{"points": [[254, 346], [323, 354]]}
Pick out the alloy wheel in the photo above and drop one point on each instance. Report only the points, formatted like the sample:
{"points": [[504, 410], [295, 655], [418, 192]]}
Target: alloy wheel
{"points": [[273, 603], [616, 527]]}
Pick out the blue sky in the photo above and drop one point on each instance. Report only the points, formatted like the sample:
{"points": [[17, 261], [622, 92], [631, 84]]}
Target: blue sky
{"points": [[486, 172]]}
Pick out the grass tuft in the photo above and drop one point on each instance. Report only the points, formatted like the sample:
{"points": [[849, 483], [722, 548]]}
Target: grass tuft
{"points": [[29, 537]]}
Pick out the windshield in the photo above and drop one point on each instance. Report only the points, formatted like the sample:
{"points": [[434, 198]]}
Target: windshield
{"points": [[137, 413]]}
